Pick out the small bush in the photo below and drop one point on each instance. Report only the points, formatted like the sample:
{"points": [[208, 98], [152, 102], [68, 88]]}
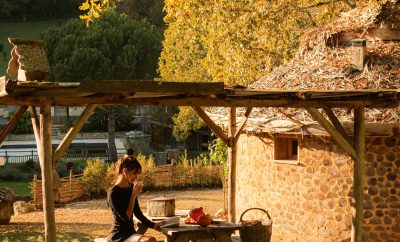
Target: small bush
{"points": [[97, 178], [8, 173]]}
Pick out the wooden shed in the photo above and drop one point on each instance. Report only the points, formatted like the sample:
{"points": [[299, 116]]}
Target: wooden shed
{"points": [[302, 170]]}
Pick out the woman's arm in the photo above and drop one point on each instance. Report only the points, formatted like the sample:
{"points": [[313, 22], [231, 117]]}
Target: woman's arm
{"points": [[139, 215], [137, 188]]}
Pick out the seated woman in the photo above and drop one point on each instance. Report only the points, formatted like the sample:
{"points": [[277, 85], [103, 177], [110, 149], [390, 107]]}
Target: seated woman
{"points": [[122, 198]]}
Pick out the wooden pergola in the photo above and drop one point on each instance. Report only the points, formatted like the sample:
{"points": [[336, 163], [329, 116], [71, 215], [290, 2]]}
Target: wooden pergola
{"points": [[29, 95]]}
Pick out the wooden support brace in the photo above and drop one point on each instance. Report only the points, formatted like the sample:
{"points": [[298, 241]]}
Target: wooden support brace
{"points": [[332, 131], [335, 121], [215, 128], [36, 127], [13, 121], [242, 124], [73, 131]]}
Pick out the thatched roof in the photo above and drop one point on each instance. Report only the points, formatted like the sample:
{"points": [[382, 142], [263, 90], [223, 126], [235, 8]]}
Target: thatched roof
{"points": [[324, 62], [27, 55]]}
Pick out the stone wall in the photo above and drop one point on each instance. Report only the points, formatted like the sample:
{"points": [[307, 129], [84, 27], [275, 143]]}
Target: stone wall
{"points": [[310, 201]]}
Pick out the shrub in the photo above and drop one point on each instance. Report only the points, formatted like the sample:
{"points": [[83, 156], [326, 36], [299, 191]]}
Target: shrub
{"points": [[97, 178], [9, 173]]}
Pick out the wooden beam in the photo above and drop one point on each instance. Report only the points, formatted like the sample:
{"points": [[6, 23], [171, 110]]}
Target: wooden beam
{"points": [[215, 128], [69, 137], [332, 131], [336, 123], [47, 172], [110, 86], [358, 186], [206, 101], [36, 127], [13, 121], [232, 166], [242, 124]]}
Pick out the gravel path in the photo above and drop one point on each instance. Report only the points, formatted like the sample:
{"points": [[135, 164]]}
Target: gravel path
{"points": [[87, 220]]}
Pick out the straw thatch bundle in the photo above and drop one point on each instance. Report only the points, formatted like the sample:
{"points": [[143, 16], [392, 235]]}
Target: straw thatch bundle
{"points": [[324, 62]]}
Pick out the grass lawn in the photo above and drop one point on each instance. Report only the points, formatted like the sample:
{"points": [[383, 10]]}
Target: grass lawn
{"points": [[27, 30], [20, 188]]}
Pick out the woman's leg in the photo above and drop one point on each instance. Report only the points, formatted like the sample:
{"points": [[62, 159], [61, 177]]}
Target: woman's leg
{"points": [[140, 238], [147, 239]]}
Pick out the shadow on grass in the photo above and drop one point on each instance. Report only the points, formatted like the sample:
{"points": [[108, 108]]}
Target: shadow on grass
{"points": [[20, 232]]}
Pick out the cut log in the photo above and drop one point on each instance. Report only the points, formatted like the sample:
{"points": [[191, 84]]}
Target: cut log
{"points": [[161, 207]]}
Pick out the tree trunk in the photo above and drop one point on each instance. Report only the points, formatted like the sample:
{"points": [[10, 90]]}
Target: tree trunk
{"points": [[112, 149]]}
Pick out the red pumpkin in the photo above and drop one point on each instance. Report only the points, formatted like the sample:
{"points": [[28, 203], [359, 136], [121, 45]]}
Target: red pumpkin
{"points": [[204, 220], [195, 213]]}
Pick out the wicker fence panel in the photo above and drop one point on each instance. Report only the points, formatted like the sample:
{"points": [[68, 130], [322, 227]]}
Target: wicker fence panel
{"points": [[70, 189]]}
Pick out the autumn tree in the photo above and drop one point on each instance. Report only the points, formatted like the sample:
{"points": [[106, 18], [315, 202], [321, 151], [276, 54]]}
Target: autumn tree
{"points": [[113, 48], [236, 42]]}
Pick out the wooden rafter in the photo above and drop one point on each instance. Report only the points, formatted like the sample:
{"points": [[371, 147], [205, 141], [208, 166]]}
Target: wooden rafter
{"points": [[215, 128], [69, 137], [332, 131], [13, 121], [336, 123], [242, 124]]}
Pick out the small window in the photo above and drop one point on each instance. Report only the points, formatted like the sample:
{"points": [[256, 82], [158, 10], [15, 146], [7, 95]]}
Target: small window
{"points": [[286, 149]]}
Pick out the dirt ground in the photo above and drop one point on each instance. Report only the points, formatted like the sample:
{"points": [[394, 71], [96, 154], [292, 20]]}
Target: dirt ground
{"points": [[86, 220]]}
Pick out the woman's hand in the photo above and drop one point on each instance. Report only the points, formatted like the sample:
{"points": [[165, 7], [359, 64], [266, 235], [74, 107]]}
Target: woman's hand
{"points": [[137, 189]]}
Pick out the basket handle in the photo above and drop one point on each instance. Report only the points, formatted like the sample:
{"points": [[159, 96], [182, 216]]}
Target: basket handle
{"points": [[241, 216]]}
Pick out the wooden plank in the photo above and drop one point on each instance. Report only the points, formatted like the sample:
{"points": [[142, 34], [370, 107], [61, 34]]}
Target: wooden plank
{"points": [[358, 186], [336, 123], [73, 131], [111, 86], [47, 172], [36, 127], [13, 121], [332, 131], [215, 128], [232, 166], [242, 124]]}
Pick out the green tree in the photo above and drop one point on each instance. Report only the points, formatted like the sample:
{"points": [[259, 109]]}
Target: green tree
{"points": [[113, 48], [148, 10]]}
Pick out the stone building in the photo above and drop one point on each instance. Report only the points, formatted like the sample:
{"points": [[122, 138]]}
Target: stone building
{"points": [[289, 165]]}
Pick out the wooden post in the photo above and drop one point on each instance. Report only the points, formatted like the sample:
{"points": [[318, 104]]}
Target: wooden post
{"points": [[359, 53], [34, 190], [47, 172], [232, 165], [36, 127], [358, 183], [70, 180]]}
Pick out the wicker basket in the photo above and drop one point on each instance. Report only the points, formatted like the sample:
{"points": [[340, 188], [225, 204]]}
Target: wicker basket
{"points": [[256, 230]]}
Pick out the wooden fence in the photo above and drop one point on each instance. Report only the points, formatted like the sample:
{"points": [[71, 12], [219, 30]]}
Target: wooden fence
{"points": [[70, 189]]}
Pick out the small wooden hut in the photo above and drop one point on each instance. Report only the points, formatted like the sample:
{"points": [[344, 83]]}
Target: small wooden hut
{"points": [[290, 165], [28, 60]]}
